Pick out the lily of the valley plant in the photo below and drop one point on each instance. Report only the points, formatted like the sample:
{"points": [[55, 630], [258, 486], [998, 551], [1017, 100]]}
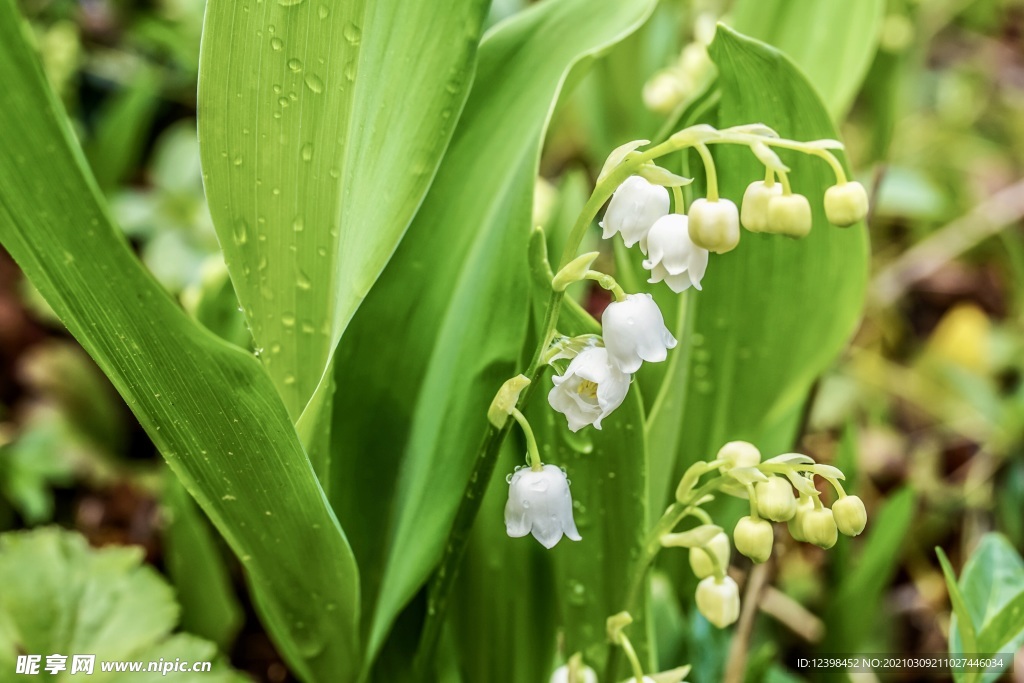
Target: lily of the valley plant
{"points": [[647, 211]]}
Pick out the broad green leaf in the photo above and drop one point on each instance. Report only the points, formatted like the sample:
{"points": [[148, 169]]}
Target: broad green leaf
{"points": [[774, 312], [456, 294], [62, 597], [832, 41], [1004, 631], [991, 585], [209, 407], [322, 125]]}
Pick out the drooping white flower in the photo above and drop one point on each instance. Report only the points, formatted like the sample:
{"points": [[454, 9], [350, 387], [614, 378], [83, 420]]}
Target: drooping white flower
{"points": [[672, 255], [539, 503], [634, 331], [590, 389], [634, 208]]}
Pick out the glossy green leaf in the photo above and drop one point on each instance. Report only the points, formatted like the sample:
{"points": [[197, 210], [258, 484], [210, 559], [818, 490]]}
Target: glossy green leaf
{"points": [[832, 41], [322, 125], [775, 312], [456, 295], [1004, 631], [62, 597], [991, 585], [209, 407]]}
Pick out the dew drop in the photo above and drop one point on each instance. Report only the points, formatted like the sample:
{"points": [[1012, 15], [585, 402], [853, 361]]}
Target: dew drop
{"points": [[353, 34], [295, 64], [298, 225], [237, 161], [322, 11], [283, 101], [241, 231], [314, 83], [289, 380], [288, 320], [304, 283], [276, 44], [307, 152], [350, 71], [289, 3]]}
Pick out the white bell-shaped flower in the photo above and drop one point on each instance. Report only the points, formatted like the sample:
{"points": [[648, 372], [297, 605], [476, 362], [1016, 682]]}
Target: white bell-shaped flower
{"points": [[634, 331], [634, 208], [539, 503], [590, 389], [672, 255]]}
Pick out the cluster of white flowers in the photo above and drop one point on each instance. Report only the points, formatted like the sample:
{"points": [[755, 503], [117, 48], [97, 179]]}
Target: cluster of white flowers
{"points": [[595, 380], [677, 247]]}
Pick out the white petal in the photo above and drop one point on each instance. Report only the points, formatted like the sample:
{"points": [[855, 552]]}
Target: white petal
{"points": [[679, 283], [634, 208], [634, 331], [698, 265]]}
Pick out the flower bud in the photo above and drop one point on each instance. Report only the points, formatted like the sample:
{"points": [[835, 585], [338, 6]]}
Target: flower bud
{"points": [[819, 526], [714, 226], [753, 538], [719, 600], [796, 525], [701, 563], [850, 515], [846, 204], [790, 215], [775, 499], [634, 208], [754, 210], [739, 454]]}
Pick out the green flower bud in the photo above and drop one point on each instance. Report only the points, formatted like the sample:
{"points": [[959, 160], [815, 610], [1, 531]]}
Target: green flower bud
{"points": [[775, 499], [719, 600], [739, 454], [789, 214], [714, 226], [850, 515], [796, 525], [754, 209], [701, 563], [753, 538], [819, 526], [846, 204]]}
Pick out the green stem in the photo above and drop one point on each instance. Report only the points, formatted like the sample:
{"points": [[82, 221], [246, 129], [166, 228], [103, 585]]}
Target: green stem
{"points": [[607, 282], [677, 200], [709, 171], [634, 661], [652, 545], [531, 440]]}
